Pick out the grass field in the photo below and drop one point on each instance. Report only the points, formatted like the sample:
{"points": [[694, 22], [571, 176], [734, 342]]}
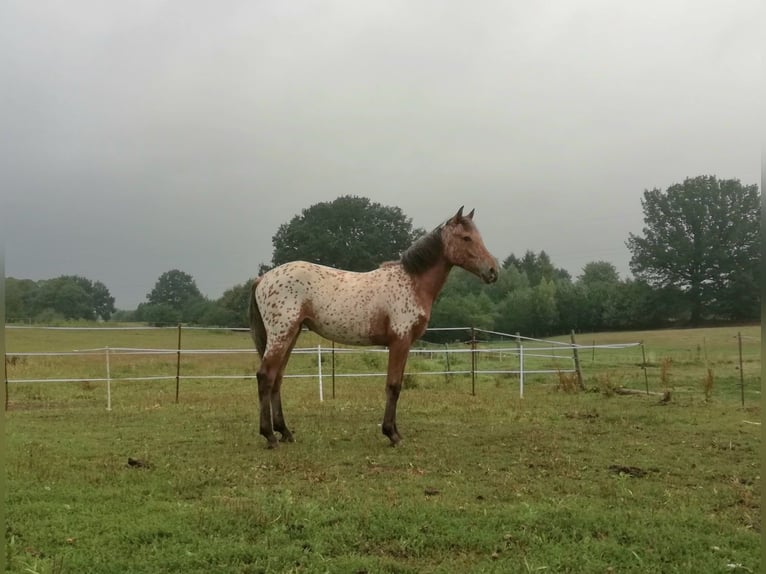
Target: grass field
{"points": [[560, 481]]}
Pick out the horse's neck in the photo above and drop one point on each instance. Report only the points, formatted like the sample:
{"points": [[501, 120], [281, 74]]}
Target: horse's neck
{"points": [[430, 282]]}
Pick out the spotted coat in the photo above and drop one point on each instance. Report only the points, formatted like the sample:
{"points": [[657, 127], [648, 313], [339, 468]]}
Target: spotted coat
{"points": [[385, 304]]}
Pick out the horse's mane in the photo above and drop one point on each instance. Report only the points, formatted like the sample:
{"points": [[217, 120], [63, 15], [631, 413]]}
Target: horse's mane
{"points": [[424, 253]]}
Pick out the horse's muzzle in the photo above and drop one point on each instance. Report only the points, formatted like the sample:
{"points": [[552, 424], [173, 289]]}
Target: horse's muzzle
{"points": [[489, 275]]}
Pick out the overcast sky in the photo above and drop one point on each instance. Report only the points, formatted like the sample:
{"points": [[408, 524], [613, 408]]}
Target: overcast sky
{"points": [[139, 137]]}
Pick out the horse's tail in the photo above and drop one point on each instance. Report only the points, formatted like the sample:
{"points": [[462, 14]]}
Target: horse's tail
{"points": [[257, 328]]}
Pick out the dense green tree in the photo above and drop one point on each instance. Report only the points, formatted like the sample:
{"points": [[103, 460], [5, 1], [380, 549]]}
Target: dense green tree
{"points": [[599, 272], [467, 310], [100, 299], [702, 236], [158, 314], [636, 305], [348, 233], [174, 288], [217, 316], [18, 296], [536, 267], [234, 302], [459, 282], [508, 279], [544, 312], [70, 299], [64, 297], [199, 311], [529, 310], [514, 313], [571, 304]]}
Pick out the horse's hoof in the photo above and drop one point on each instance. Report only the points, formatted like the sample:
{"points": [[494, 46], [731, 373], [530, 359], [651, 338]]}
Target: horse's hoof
{"points": [[287, 438], [272, 443]]}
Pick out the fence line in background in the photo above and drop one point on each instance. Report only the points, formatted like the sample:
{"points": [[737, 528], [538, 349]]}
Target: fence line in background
{"points": [[536, 347]]}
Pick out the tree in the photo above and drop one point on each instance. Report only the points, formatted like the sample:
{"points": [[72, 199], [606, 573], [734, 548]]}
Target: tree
{"points": [[514, 313], [101, 300], [536, 267], [599, 272], [158, 314], [234, 302], [18, 294], [474, 310], [64, 297], [175, 289], [597, 287], [702, 236], [543, 306], [348, 233], [635, 305]]}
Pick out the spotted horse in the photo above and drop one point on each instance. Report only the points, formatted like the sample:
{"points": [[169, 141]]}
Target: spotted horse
{"points": [[389, 306]]}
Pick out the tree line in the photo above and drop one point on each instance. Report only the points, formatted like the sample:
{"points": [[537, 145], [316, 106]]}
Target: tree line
{"points": [[697, 260], [175, 298]]}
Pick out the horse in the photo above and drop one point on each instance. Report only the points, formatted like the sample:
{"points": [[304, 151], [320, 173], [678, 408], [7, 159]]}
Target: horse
{"points": [[388, 306]]}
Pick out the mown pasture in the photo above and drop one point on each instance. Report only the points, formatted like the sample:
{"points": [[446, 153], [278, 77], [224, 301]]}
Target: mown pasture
{"points": [[560, 481]]}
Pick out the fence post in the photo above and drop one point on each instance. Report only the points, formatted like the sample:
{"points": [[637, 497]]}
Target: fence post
{"points": [[333, 369], [446, 358], [108, 382], [577, 363], [741, 370], [178, 363], [5, 370], [319, 364], [643, 366], [473, 361], [521, 371]]}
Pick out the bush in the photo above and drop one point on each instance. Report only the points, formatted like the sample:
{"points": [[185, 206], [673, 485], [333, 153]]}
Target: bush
{"points": [[158, 314]]}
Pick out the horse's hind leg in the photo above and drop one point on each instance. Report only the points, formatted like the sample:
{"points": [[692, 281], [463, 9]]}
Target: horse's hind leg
{"points": [[267, 376], [276, 409], [276, 396]]}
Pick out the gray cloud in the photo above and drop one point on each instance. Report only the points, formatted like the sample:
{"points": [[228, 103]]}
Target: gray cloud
{"points": [[148, 136]]}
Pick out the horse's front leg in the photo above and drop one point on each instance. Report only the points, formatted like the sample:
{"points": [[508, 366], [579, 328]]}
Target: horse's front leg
{"points": [[397, 359]]}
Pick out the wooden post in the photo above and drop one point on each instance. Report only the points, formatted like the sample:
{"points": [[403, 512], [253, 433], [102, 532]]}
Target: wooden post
{"points": [[643, 366], [577, 363], [178, 363], [473, 361], [741, 370]]}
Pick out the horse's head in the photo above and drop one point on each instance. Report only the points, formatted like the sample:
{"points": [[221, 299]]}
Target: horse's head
{"points": [[464, 247]]}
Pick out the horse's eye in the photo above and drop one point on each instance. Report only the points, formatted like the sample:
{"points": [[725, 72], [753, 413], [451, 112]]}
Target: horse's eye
{"points": [[466, 238]]}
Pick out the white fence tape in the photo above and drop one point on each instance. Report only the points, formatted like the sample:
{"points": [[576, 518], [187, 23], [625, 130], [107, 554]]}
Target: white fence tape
{"points": [[553, 348]]}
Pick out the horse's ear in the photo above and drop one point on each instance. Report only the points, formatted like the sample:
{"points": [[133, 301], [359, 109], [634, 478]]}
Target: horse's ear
{"points": [[458, 215], [470, 215]]}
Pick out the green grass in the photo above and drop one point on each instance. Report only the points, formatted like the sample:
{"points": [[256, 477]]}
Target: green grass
{"points": [[485, 483]]}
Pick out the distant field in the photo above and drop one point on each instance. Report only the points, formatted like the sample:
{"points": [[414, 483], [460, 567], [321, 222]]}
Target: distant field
{"points": [[559, 481]]}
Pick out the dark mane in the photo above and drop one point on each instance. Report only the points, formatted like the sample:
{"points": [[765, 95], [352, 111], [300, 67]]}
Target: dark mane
{"points": [[424, 253]]}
